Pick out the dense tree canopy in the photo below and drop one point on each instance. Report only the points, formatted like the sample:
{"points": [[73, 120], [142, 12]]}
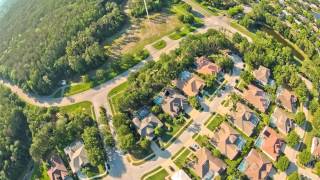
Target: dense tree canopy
{"points": [[14, 136]]}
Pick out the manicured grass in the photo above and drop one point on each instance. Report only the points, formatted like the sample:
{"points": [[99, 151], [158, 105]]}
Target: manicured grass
{"points": [[115, 95], [181, 32], [151, 172], [243, 30], [160, 44], [181, 159], [178, 153], [118, 89], [161, 175], [40, 172], [78, 107], [78, 88], [215, 122]]}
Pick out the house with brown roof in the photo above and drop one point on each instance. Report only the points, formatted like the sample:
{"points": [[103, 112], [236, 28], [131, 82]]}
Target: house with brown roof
{"points": [[270, 142], [257, 97], [189, 83], [207, 166], [77, 156], [206, 67], [58, 170], [172, 102], [262, 75], [256, 166], [227, 140], [287, 99], [146, 126], [315, 147], [244, 118], [280, 119]]}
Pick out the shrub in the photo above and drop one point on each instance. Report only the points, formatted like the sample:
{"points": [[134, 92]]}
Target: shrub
{"points": [[294, 176], [300, 118], [292, 139], [304, 157], [283, 163]]}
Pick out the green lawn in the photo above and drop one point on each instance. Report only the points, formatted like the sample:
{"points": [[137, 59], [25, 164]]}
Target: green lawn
{"points": [[215, 122], [178, 153], [118, 89], [85, 107], [181, 159], [78, 88], [243, 30], [181, 32], [160, 44], [160, 175], [159, 171], [115, 95], [40, 172]]}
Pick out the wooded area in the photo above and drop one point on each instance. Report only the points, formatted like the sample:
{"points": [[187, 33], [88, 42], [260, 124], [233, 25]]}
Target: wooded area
{"points": [[55, 40]]}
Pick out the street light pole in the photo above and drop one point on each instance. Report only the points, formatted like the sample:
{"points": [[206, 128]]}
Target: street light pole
{"points": [[145, 5]]}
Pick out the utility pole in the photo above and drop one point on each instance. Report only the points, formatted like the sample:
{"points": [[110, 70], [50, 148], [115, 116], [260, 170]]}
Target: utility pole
{"points": [[145, 5]]}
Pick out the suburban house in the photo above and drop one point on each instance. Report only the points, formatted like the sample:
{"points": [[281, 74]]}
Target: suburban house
{"points": [[146, 126], [227, 140], [207, 166], [58, 170], [172, 102], [270, 143], [77, 156], [189, 83], [262, 75], [180, 175], [206, 67], [244, 118], [280, 119], [287, 99], [257, 97], [315, 147], [255, 165]]}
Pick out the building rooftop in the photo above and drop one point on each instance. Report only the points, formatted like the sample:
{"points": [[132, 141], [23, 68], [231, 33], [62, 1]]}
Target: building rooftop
{"points": [[227, 140], [287, 99], [315, 147], [270, 142], [77, 155], [255, 165], [206, 67], [58, 170], [173, 102], [190, 84], [208, 165], [262, 75], [280, 119], [180, 175], [145, 127], [244, 118], [257, 98]]}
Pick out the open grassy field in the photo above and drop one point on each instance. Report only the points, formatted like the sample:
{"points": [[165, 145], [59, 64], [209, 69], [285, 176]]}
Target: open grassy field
{"points": [[85, 107]]}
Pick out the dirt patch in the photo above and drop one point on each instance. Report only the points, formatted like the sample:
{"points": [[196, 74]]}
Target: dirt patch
{"points": [[143, 31]]}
